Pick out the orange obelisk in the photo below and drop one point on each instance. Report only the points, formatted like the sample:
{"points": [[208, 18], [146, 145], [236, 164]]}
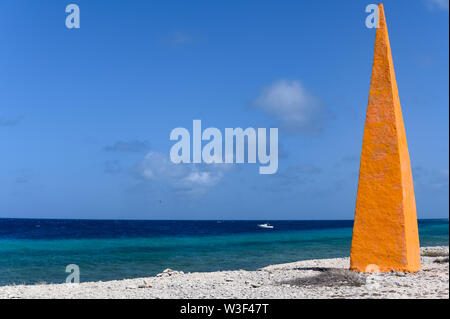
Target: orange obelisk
{"points": [[385, 234]]}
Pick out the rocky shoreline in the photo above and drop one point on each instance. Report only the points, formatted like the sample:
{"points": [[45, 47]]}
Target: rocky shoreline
{"points": [[322, 278]]}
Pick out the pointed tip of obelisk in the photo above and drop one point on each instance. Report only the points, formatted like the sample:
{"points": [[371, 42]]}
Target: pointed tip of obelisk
{"points": [[382, 32], [381, 16]]}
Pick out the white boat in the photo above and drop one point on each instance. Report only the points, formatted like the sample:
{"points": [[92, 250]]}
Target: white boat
{"points": [[266, 226]]}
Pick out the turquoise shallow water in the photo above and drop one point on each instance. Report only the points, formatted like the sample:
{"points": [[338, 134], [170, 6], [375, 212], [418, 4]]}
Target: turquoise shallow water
{"points": [[34, 251]]}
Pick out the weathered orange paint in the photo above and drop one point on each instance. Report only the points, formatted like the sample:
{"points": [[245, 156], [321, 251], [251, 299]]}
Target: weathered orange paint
{"points": [[385, 234]]}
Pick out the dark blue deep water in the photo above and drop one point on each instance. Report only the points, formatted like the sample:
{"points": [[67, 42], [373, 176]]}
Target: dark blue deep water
{"points": [[38, 250]]}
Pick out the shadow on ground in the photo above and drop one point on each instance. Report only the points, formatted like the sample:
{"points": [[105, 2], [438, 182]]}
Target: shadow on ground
{"points": [[329, 277]]}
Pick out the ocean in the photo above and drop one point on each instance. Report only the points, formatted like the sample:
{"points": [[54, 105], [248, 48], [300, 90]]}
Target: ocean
{"points": [[38, 250]]}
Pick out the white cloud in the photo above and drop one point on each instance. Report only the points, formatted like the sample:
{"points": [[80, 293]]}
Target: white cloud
{"points": [[186, 179], [180, 38], [291, 104], [437, 4]]}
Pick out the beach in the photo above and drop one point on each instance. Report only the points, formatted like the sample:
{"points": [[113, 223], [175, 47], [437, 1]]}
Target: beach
{"points": [[307, 279]]}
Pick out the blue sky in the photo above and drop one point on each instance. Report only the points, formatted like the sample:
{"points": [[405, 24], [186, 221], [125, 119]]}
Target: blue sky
{"points": [[85, 113]]}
